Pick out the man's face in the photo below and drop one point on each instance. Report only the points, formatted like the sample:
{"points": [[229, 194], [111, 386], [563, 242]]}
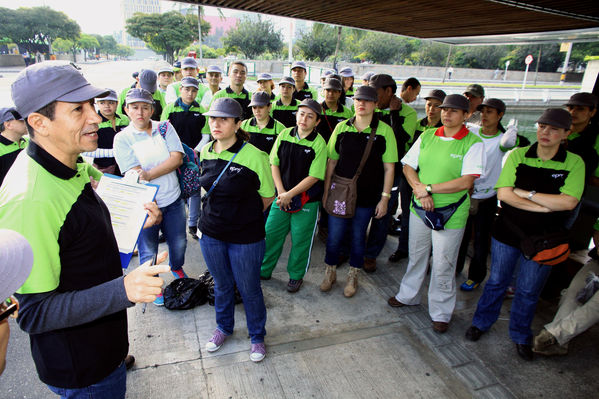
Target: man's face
{"points": [[364, 107], [331, 96], [261, 112], [298, 74], [165, 78], [384, 97], [411, 94], [16, 126], [550, 136], [306, 119], [188, 94], [193, 72], [214, 78], [581, 115], [107, 107], [433, 112], [140, 114], [237, 74], [490, 117], [474, 101], [286, 90], [74, 129]]}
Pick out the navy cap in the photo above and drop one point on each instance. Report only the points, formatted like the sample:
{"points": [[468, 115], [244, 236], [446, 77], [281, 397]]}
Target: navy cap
{"points": [[189, 81], [436, 94], [332, 84], [189, 62], [493, 103], [313, 105], [139, 96], [112, 96], [368, 75], [259, 99], [475, 90], [346, 72], [366, 93], [135, 74], [264, 76], [583, 99], [147, 80], [225, 107], [456, 101], [40, 84], [214, 69], [288, 80], [9, 114], [299, 64], [556, 117]]}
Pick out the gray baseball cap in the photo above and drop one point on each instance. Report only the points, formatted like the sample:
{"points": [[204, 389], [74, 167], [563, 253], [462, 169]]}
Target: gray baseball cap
{"points": [[9, 114], [264, 76], [189, 62], [367, 93], [299, 64], [112, 96], [287, 80], [165, 68], [332, 84], [214, 69], [40, 84], [326, 73], [493, 103], [368, 75], [346, 72], [225, 107], [313, 105], [476, 90], [456, 101], [188, 81], [139, 96], [16, 260], [259, 99], [381, 80], [557, 117], [147, 80], [436, 94]]}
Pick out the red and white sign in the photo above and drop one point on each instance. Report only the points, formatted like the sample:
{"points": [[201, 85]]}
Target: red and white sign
{"points": [[528, 59]]}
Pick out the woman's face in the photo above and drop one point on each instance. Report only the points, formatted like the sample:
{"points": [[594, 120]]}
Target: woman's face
{"points": [[490, 117], [550, 136], [223, 128], [452, 117], [265, 86], [140, 114], [347, 83], [332, 96], [432, 109], [261, 112], [286, 90]]}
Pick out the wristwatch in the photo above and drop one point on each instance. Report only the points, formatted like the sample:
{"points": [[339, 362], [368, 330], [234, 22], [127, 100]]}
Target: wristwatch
{"points": [[429, 189], [384, 194], [533, 192]]}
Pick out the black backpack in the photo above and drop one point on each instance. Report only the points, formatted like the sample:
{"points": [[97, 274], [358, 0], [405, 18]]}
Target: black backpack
{"points": [[185, 293]]}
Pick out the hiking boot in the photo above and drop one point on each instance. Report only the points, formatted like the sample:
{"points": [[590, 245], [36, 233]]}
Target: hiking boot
{"points": [[330, 276], [257, 352], [369, 265], [352, 282], [179, 273], [393, 302], [217, 340], [193, 232], [294, 285]]}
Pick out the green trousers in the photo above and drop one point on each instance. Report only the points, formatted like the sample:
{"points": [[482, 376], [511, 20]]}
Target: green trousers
{"points": [[302, 225]]}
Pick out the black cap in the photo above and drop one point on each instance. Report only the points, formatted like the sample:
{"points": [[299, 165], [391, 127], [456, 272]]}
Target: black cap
{"points": [[259, 99], [583, 99], [493, 103], [456, 101], [557, 117], [381, 80], [313, 105], [366, 93], [436, 94], [287, 80], [332, 84]]}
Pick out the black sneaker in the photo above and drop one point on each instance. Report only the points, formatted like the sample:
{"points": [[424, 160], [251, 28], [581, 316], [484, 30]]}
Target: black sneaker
{"points": [[294, 285], [397, 256], [193, 232], [474, 333]]}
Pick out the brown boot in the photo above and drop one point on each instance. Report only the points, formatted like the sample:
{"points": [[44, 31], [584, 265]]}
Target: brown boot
{"points": [[369, 265], [330, 276], [352, 282]]}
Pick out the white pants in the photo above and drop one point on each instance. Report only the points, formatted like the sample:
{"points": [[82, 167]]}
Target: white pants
{"points": [[442, 287], [572, 318]]}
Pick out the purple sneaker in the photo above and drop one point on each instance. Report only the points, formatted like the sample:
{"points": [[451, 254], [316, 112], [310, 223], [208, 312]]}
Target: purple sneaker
{"points": [[217, 340], [257, 352]]}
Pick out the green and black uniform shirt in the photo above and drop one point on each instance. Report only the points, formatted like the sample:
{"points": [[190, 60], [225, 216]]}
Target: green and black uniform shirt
{"points": [[422, 125], [263, 139], [73, 302], [299, 158], [106, 135], [234, 210], [176, 89], [188, 121], [347, 146], [403, 122], [159, 103], [8, 153], [243, 98], [286, 114], [329, 119], [305, 92], [586, 145], [564, 173]]}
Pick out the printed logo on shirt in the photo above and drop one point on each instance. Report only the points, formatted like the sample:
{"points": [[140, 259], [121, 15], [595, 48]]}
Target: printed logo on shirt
{"points": [[307, 151], [234, 169], [456, 156], [557, 175], [269, 138], [196, 114]]}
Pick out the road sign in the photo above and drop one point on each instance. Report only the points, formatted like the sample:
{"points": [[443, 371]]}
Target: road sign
{"points": [[528, 59]]}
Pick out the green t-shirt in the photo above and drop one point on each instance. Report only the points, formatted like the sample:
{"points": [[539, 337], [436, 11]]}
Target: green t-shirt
{"points": [[7, 146]]}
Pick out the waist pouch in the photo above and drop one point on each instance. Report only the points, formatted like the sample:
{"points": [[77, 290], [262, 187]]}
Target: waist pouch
{"points": [[437, 218]]}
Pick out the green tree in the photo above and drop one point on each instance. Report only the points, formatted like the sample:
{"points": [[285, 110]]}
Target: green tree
{"points": [[123, 51], [318, 43], [385, 48], [551, 58], [36, 28], [253, 37], [480, 57], [88, 44]]}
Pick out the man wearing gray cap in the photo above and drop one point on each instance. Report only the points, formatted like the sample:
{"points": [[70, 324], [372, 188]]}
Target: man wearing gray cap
{"points": [[189, 67], [237, 76], [475, 93], [12, 140], [302, 90], [214, 77], [73, 304], [165, 77]]}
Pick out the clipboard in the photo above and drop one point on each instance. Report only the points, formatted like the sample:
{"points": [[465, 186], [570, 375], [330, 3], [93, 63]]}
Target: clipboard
{"points": [[124, 198]]}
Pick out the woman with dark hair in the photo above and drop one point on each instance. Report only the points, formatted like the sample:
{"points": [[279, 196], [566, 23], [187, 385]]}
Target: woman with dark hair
{"points": [[239, 188]]}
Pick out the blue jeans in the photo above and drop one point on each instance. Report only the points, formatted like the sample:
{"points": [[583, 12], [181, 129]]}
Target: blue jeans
{"points": [[530, 281], [236, 264], [194, 203], [111, 387], [173, 227], [358, 226]]}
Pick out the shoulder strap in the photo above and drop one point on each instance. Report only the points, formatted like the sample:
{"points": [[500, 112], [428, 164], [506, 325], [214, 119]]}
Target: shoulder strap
{"points": [[222, 172], [373, 127]]}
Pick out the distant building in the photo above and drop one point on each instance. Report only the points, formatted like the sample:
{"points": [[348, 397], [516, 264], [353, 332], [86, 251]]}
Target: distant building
{"points": [[130, 7]]}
